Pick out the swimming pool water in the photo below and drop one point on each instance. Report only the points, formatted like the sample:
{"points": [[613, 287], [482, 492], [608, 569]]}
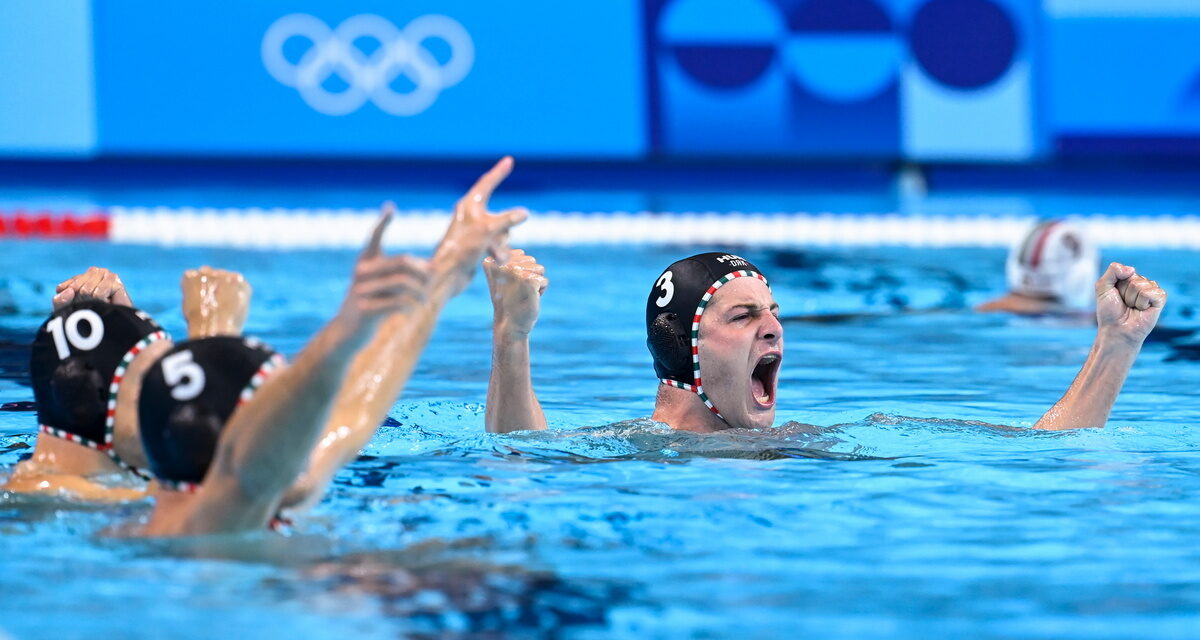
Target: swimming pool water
{"points": [[902, 513]]}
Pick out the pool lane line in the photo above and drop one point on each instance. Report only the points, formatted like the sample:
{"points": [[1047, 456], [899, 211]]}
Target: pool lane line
{"points": [[279, 228]]}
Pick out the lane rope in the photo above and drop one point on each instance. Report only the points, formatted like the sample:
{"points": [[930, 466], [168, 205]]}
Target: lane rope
{"points": [[257, 228]]}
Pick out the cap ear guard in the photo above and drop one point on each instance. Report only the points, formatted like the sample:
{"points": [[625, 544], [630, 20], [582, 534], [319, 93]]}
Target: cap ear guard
{"points": [[193, 430], [77, 395], [670, 346]]}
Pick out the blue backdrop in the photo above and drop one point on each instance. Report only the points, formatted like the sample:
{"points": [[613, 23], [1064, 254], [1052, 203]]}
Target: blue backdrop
{"points": [[922, 80]]}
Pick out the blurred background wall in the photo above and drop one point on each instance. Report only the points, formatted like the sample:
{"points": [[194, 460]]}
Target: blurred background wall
{"points": [[1011, 81]]}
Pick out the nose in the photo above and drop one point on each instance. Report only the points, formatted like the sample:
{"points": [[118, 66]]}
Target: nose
{"points": [[770, 329]]}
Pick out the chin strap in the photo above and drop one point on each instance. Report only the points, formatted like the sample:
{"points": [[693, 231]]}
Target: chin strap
{"points": [[696, 390]]}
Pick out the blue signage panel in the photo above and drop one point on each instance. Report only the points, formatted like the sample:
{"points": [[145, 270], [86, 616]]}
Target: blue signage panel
{"points": [[1135, 74], [46, 100], [446, 78], [970, 86], [767, 77], [923, 79]]}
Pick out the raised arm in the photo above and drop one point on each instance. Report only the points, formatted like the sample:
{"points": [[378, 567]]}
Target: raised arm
{"points": [[267, 440], [516, 290], [381, 369], [215, 302], [1127, 308]]}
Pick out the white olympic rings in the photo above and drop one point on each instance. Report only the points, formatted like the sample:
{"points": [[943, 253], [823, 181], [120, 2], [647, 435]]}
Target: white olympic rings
{"points": [[369, 76]]}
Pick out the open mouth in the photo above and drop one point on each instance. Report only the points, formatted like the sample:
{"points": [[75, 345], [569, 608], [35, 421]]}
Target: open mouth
{"points": [[763, 379]]}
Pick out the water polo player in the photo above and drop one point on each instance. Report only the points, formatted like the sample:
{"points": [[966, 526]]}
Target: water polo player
{"points": [[86, 365], [1050, 271], [74, 455], [717, 345]]}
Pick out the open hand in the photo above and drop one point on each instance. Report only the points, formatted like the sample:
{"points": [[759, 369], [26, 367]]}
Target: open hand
{"points": [[384, 284], [516, 286], [474, 231], [215, 302], [98, 283], [1127, 305]]}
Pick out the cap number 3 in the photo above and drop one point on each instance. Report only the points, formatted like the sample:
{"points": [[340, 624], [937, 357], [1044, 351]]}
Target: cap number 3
{"points": [[668, 289]]}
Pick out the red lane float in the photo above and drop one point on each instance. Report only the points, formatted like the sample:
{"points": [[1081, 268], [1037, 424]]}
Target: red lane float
{"points": [[20, 223]]}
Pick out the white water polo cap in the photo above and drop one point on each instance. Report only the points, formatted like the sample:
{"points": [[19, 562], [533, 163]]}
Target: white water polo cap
{"points": [[1057, 260], [673, 310]]}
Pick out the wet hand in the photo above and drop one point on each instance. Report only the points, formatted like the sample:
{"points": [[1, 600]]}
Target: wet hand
{"points": [[384, 284], [98, 283], [474, 231], [215, 302], [516, 287], [1127, 305]]}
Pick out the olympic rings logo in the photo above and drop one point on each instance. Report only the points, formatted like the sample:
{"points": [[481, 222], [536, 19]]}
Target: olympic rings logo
{"points": [[401, 52]]}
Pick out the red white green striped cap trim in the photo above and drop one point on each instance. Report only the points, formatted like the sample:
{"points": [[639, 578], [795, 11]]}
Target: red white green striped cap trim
{"points": [[274, 362], [698, 387], [178, 485]]}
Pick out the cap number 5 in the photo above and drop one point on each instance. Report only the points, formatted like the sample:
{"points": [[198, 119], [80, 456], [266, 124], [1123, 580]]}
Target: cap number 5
{"points": [[668, 289], [178, 367]]}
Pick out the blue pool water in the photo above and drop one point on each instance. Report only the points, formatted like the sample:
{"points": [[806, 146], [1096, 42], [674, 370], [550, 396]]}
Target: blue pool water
{"points": [[892, 509]]}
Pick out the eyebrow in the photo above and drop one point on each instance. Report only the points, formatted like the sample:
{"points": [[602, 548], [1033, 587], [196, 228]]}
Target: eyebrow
{"points": [[750, 306]]}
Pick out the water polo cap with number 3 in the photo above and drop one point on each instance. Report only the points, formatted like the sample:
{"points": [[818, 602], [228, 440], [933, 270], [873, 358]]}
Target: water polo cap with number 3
{"points": [[677, 302]]}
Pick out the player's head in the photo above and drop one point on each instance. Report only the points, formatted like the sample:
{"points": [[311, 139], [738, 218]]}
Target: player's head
{"points": [[188, 397], [1056, 261], [77, 365], [712, 329]]}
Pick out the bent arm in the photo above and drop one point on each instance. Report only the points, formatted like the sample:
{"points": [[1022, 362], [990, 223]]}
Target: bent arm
{"points": [[1127, 308], [1091, 396], [516, 288]]}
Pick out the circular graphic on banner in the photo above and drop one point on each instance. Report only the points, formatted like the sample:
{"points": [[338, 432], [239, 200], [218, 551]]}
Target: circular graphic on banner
{"points": [[843, 50], [965, 44], [726, 54]]}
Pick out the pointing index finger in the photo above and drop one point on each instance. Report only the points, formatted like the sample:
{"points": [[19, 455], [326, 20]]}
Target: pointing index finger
{"points": [[375, 244], [487, 183]]}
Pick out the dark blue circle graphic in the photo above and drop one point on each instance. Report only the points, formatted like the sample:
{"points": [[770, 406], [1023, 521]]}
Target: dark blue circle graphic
{"points": [[725, 66], [966, 44], [839, 16]]}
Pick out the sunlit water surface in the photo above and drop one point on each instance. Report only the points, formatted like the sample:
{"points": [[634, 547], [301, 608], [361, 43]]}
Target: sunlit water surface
{"points": [[894, 508]]}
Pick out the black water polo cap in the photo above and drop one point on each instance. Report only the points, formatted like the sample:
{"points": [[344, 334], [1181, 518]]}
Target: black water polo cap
{"points": [[673, 310], [77, 363], [189, 395]]}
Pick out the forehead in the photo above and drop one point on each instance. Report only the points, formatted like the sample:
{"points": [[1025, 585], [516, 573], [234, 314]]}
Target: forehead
{"points": [[742, 291]]}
